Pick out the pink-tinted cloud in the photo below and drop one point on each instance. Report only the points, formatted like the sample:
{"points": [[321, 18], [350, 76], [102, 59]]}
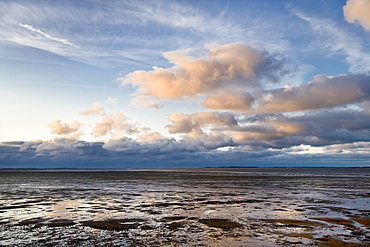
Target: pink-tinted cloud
{"points": [[118, 124], [96, 110], [358, 11], [149, 137], [323, 92], [193, 124], [112, 123], [232, 66], [266, 130], [57, 127], [229, 100], [235, 77]]}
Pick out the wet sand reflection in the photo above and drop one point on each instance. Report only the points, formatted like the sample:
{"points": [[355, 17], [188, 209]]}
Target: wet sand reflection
{"points": [[209, 207]]}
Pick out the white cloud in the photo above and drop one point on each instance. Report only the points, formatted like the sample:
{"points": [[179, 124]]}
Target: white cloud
{"points": [[112, 100], [58, 145], [349, 148], [31, 28]]}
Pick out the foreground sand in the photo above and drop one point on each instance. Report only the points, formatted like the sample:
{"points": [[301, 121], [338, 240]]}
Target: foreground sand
{"points": [[196, 207]]}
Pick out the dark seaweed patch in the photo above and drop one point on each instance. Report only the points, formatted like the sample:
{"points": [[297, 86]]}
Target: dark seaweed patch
{"points": [[60, 222], [109, 225], [233, 201], [363, 221], [166, 204], [31, 221], [220, 223], [14, 207], [114, 225]]}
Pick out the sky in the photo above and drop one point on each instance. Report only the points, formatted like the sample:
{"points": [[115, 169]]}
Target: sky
{"points": [[156, 84]]}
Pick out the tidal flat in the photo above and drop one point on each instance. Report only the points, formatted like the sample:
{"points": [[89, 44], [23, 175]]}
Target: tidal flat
{"points": [[186, 207]]}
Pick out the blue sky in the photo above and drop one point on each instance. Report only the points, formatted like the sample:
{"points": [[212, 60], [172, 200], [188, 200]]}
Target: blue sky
{"points": [[184, 83]]}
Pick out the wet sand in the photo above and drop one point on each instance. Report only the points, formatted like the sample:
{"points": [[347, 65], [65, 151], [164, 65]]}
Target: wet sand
{"points": [[186, 207]]}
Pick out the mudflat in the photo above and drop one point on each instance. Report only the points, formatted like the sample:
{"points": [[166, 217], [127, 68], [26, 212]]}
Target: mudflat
{"points": [[186, 207]]}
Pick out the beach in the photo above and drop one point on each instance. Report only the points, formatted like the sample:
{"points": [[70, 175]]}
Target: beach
{"points": [[186, 207]]}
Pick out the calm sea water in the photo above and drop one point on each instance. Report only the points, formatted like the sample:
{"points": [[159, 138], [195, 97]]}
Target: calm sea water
{"points": [[185, 207]]}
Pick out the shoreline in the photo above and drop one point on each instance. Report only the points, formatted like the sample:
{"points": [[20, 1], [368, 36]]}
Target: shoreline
{"points": [[324, 170]]}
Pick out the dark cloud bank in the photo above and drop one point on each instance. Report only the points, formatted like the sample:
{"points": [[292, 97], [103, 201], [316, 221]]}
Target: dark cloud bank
{"points": [[339, 138]]}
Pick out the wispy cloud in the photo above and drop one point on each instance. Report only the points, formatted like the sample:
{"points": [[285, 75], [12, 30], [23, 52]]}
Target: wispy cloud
{"points": [[119, 31], [113, 27], [66, 42], [340, 42]]}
